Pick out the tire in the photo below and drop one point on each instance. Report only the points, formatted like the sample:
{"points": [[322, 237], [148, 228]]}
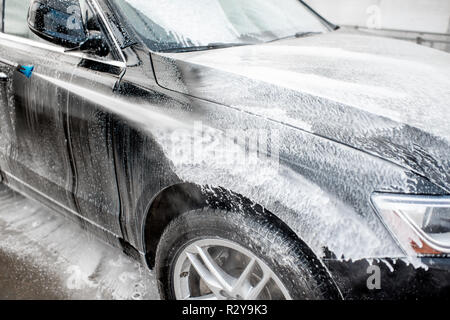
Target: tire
{"points": [[240, 236]]}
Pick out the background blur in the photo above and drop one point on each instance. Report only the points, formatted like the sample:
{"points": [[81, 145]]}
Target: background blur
{"points": [[426, 22]]}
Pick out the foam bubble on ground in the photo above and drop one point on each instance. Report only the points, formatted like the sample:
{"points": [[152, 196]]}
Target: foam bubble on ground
{"points": [[85, 268]]}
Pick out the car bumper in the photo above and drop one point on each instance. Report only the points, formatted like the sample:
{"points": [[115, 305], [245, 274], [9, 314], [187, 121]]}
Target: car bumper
{"points": [[397, 278]]}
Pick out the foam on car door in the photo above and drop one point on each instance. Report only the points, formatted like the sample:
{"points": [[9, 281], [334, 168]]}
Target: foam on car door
{"points": [[91, 140], [5, 122], [38, 160]]}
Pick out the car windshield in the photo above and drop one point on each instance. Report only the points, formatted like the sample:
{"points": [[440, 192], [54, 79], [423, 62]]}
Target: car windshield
{"points": [[184, 25]]}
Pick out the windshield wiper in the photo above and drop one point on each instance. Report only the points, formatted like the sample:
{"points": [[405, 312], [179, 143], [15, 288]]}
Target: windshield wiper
{"points": [[297, 35], [218, 45], [306, 34]]}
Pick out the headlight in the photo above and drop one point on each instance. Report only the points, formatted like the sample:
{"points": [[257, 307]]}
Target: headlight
{"points": [[421, 224]]}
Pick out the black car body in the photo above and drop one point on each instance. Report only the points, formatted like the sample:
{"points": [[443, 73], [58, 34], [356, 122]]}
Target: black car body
{"points": [[107, 141]]}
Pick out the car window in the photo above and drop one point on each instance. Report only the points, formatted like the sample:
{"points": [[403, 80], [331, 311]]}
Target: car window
{"points": [[172, 24], [15, 19]]}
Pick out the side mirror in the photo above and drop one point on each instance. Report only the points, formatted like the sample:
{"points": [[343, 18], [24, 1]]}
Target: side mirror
{"points": [[57, 21], [61, 22]]}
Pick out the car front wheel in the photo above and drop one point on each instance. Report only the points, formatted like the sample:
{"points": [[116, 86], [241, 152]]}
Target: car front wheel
{"points": [[216, 255]]}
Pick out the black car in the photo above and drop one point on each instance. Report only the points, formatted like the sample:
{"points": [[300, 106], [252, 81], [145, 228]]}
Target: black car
{"points": [[244, 149]]}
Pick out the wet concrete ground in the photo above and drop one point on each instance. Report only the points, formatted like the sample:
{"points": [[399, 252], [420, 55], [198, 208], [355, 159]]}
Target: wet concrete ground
{"points": [[45, 256]]}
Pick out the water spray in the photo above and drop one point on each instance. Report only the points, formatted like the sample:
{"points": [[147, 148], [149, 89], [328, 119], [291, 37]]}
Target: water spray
{"points": [[27, 71]]}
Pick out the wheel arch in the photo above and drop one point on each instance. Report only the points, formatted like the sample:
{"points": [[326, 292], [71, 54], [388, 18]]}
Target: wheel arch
{"points": [[167, 205]]}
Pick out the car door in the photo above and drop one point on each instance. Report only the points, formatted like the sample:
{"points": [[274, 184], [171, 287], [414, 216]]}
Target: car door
{"points": [[33, 125], [91, 131], [61, 144]]}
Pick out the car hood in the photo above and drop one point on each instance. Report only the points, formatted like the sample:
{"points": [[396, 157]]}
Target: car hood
{"points": [[386, 97]]}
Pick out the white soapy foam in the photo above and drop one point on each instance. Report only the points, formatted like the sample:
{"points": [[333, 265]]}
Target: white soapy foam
{"points": [[86, 267], [405, 83], [320, 219], [334, 224]]}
